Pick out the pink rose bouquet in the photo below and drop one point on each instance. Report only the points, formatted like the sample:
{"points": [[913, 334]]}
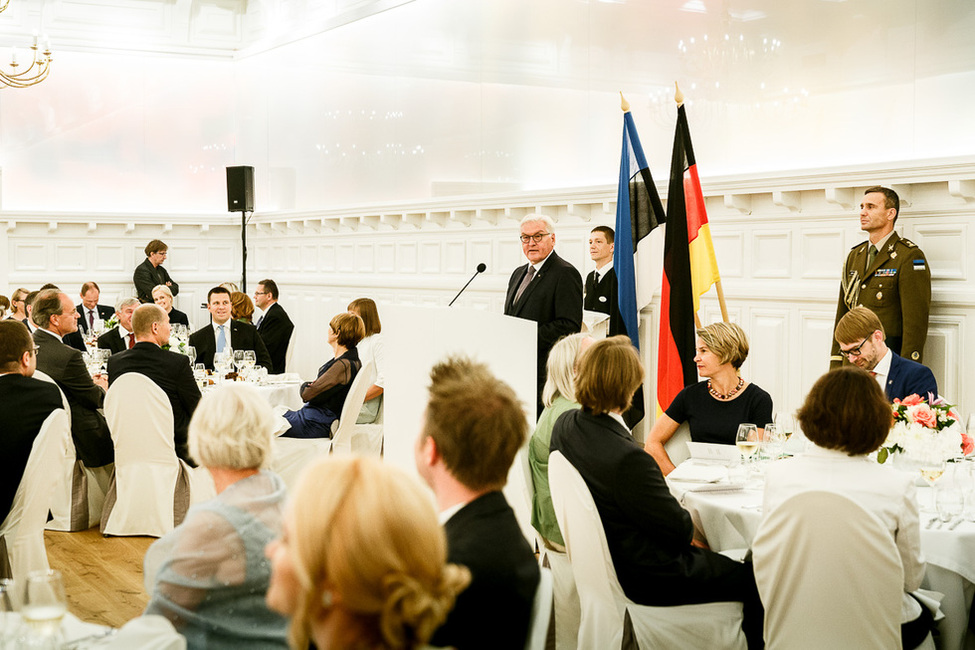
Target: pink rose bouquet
{"points": [[924, 430]]}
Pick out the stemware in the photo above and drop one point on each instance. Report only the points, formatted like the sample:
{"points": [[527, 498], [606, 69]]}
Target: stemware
{"points": [[747, 441], [200, 374], [249, 358], [190, 352], [43, 608], [9, 603], [774, 441]]}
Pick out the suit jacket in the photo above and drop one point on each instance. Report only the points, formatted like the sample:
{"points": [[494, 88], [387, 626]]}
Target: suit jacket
{"points": [[495, 609], [896, 287], [147, 276], [243, 336], [104, 312], [601, 296], [92, 440], [75, 340], [112, 340], [26, 403], [176, 317], [647, 531], [171, 372], [275, 330], [908, 377]]}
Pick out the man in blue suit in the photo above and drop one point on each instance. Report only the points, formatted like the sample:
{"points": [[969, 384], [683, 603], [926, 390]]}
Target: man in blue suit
{"points": [[861, 339]]}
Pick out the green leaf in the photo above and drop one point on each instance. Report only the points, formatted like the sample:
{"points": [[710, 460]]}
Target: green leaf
{"points": [[882, 455]]}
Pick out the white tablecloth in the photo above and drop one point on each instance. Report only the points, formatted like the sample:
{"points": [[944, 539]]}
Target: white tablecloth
{"points": [[280, 394], [730, 519]]}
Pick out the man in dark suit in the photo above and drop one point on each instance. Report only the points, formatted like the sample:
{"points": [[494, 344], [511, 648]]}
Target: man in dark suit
{"points": [[89, 310], [54, 315], [151, 272], [860, 336], [274, 326], [601, 285], [474, 426], [223, 333], [121, 337], [168, 370], [547, 290], [25, 403]]}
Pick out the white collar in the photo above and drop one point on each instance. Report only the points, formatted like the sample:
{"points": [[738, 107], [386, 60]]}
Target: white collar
{"points": [[538, 266], [882, 369], [445, 515], [225, 325], [57, 336], [601, 273], [619, 418]]}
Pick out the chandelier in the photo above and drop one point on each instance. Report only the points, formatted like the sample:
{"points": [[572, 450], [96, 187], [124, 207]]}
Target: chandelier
{"points": [[19, 74]]}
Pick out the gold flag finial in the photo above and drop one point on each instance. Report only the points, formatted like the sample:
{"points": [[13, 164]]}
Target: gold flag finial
{"points": [[678, 95], [625, 105]]}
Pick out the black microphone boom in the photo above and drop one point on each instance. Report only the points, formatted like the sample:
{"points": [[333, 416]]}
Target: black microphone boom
{"points": [[481, 268]]}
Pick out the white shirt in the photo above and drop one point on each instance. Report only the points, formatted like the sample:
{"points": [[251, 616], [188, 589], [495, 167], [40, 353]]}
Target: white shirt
{"points": [[882, 369], [539, 264], [57, 336], [371, 349], [125, 334], [886, 492], [445, 515], [601, 273], [226, 330]]}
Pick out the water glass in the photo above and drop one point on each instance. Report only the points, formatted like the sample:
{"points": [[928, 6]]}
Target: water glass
{"points": [[200, 374], [191, 353], [43, 608], [9, 621], [949, 501], [774, 441]]}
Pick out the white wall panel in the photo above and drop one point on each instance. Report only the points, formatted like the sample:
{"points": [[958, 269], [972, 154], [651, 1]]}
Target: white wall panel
{"points": [[771, 255], [817, 252], [947, 249], [69, 257], [108, 258]]}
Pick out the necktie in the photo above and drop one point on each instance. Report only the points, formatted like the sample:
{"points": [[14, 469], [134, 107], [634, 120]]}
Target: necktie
{"points": [[524, 284], [221, 338], [91, 318], [260, 320], [131, 336], [871, 255]]}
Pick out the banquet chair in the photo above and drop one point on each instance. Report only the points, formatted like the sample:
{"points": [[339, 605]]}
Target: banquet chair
{"points": [[80, 491], [292, 454], [291, 350], [22, 532], [609, 619], [151, 488], [829, 576], [541, 614], [676, 447], [367, 439]]}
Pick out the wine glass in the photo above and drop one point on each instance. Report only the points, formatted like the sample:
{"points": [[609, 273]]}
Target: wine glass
{"points": [[190, 353], [747, 441], [774, 441], [9, 604], [200, 374], [239, 359], [250, 359], [931, 470], [44, 607]]}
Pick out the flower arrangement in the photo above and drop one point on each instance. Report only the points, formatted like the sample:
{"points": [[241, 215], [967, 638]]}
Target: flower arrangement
{"points": [[112, 322], [925, 430]]}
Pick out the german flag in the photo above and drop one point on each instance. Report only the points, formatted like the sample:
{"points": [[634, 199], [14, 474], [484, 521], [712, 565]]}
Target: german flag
{"points": [[690, 269]]}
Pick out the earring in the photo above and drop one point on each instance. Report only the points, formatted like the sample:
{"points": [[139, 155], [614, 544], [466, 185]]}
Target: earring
{"points": [[327, 598]]}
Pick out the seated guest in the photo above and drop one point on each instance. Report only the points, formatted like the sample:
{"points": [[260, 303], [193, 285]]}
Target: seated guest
{"points": [[371, 349], [151, 272], [648, 533], [4, 306], [162, 296], [25, 403], [473, 427], [72, 339], [18, 306], [168, 370], [212, 574], [89, 309], [223, 333], [846, 417], [28, 307], [121, 337], [325, 396], [861, 338], [714, 408], [242, 308], [274, 325], [558, 396], [54, 315], [362, 563]]}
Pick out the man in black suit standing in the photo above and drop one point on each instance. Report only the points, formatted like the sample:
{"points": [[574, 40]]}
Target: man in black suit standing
{"points": [[601, 285], [25, 403], [89, 309], [223, 333], [547, 290], [473, 427], [168, 370], [121, 337], [274, 326], [151, 272], [54, 315]]}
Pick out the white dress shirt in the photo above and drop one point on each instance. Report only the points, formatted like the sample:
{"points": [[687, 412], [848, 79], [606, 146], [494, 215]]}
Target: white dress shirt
{"points": [[882, 369], [371, 349], [216, 334]]}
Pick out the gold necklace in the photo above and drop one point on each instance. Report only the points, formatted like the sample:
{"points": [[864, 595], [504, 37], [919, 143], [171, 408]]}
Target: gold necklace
{"points": [[731, 393]]}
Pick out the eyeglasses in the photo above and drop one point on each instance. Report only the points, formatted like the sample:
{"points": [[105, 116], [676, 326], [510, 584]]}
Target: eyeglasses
{"points": [[35, 350], [855, 352], [537, 237], [260, 293]]}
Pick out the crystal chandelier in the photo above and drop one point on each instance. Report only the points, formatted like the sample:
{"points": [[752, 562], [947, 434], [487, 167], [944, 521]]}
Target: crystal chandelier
{"points": [[18, 75]]}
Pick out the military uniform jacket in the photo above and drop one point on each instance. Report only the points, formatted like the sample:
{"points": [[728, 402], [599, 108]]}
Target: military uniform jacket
{"points": [[896, 287]]}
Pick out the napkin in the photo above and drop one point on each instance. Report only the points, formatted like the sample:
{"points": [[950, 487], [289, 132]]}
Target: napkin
{"points": [[693, 473]]}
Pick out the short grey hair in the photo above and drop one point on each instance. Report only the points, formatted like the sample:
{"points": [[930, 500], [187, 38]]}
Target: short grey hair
{"points": [[161, 288], [46, 303], [232, 428], [561, 368], [536, 217], [125, 302]]}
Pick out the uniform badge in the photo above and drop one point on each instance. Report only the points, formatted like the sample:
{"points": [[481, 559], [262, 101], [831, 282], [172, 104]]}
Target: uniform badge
{"points": [[880, 295], [602, 298], [915, 355], [890, 248], [919, 265], [893, 255]]}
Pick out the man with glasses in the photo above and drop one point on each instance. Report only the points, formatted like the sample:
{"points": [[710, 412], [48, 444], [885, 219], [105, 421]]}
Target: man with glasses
{"points": [[274, 325], [547, 290], [25, 402], [860, 337]]}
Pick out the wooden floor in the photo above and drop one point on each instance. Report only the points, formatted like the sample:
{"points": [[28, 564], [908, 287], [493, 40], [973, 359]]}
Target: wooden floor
{"points": [[102, 575]]}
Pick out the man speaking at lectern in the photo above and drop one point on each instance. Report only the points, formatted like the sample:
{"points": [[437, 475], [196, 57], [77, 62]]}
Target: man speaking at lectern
{"points": [[547, 290]]}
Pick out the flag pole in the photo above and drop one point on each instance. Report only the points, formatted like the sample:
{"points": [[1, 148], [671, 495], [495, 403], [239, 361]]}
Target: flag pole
{"points": [[624, 105], [679, 98]]}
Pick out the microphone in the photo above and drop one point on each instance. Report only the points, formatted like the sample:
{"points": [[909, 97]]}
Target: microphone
{"points": [[481, 268]]}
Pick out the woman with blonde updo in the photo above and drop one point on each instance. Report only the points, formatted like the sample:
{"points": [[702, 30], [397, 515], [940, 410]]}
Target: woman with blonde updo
{"points": [[362, 562]]}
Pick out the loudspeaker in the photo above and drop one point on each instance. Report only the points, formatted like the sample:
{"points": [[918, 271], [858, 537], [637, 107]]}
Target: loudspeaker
{"points": [[240, 189]]}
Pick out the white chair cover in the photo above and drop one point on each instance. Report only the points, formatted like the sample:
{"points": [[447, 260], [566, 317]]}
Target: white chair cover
{"points": [[829, 576], [148, 632], [603, 604], [291, 350], [23, 529], [676, 447], [567, 611], [151, 488], [292, 454], [367, 439], [541, 612]]}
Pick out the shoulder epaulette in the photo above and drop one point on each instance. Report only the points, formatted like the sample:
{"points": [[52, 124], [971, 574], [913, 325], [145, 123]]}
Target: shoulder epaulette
{"points": [[907, 242]]}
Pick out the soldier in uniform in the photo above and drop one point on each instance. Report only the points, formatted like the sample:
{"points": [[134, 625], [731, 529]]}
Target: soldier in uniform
{"points": [[889, 275]]}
